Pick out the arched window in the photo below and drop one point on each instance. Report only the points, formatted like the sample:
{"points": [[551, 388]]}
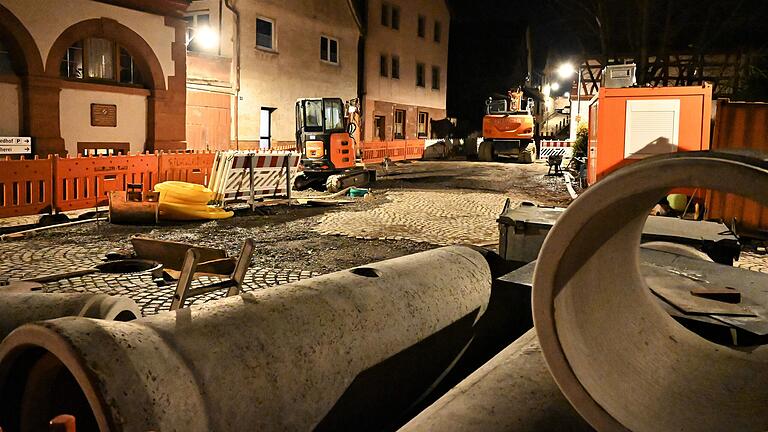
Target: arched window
{"points": [[6, 62], [99, 60]]}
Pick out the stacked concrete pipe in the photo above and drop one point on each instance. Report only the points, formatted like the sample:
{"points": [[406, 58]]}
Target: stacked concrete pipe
{"points": [[512, 392], [620, 359], [18, 308], [352, 350]]}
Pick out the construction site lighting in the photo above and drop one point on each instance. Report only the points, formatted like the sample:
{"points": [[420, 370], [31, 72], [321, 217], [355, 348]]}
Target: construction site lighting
{"points": [[206, 38], [566, 70]]}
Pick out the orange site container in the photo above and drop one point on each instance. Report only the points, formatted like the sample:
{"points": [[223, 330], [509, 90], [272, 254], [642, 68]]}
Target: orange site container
{"points": [[741, 126], [629, 124]]}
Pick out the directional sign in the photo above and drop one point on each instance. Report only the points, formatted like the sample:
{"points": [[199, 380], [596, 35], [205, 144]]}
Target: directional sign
{"points": [[15, 145]]}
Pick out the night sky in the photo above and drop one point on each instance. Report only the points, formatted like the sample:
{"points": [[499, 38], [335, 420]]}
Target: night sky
{"points": [[487, 39]]}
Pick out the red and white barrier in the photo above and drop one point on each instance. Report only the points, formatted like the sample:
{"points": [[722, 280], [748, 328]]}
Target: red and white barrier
{"points": [[548, 148], [247, 175]]}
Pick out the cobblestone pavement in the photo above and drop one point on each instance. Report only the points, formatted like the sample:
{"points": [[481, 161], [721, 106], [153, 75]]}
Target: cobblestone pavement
{"points": [[440, 218], [37, 258], [753, 261]]}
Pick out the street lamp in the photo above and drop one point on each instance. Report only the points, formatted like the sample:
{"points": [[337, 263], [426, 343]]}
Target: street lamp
{"points": [[555, 86], [205, 37], [566, 70]]}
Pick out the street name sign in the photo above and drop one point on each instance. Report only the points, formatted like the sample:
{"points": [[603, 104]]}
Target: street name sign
{"points": [[15, 145]]}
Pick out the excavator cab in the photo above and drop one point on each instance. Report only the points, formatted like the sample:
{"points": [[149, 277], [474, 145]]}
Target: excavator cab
{"points": [[325, 137]]}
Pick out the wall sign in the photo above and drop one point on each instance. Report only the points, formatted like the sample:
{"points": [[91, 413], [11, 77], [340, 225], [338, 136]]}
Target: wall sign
{"points": [[103, 115], [15, 145]]}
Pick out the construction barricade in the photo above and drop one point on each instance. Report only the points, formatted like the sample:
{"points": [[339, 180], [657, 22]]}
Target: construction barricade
{"points": [[398, 150], [85, 182], [549, 148], [26, 187], [186, 167], [249, 176]]}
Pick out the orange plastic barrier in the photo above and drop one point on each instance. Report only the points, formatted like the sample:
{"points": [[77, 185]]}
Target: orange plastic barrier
{"points": [[186, 167], [377, 151], [25, 186], [374, 151], [84, 182], [396, 150], [414, 149]]}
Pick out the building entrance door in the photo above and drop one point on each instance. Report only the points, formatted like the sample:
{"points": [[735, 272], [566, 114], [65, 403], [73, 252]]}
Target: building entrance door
{"points": [[265, 128]]}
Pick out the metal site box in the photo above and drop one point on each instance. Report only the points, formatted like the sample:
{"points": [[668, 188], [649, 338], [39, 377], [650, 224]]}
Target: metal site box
{"points": [[522, 231], [619, 76], [629, 124]]}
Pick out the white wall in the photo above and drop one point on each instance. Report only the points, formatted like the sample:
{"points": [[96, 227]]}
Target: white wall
{"points": [[76, 119], [411, 49], [36, 15], [9, 109], [576, 111]]}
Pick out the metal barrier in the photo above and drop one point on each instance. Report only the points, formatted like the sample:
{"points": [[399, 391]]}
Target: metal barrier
{"points": [[186, 167], [26, 186], [84, 182]]}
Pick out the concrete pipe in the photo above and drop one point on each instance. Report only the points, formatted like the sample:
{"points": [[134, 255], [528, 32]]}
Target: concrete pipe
{"points": [[620, 359], [352, 350], [18, 308], [513, 392]]}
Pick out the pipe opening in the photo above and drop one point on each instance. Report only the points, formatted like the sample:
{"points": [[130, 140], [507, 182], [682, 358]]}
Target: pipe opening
{"points": [[37, 387], [616, 353], [366, 272], [125, 316]]}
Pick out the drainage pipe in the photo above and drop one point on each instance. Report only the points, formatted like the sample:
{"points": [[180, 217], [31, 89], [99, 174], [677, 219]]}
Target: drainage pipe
{"points": [[17, 309], [618, 357], [512, 392], [345, 351]]}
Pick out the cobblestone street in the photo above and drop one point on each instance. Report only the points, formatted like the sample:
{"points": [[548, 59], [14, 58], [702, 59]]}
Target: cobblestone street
{"points": [[440, 218], [414, 207]]}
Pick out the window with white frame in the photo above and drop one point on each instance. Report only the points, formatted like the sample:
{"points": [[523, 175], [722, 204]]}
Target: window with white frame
{"points": [[329, 50], [265, 34]]}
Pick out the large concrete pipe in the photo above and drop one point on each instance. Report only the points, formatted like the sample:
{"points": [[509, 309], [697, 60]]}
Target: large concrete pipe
{"points": [[513, 392], [350, 350], [18, 308], [618, 357]]}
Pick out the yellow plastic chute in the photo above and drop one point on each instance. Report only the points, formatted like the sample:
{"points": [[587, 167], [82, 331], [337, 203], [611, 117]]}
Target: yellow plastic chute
{"points": [[187, 201]]}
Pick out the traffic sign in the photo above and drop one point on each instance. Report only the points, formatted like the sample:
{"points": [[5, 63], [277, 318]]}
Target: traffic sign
{"points": [[15, 145]]}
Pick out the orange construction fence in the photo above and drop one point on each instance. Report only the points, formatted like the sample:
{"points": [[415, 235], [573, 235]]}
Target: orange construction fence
{"points": [[26, 186], [85, 182], [186, 167], [397, 150], [35, 186]]}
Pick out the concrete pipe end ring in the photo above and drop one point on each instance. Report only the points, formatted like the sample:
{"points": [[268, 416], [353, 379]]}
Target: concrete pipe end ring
{"points": [[621, 361]]}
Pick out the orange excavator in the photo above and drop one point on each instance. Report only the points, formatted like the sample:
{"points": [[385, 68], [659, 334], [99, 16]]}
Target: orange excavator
{"points": [[325, 136], [508, 129]]}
